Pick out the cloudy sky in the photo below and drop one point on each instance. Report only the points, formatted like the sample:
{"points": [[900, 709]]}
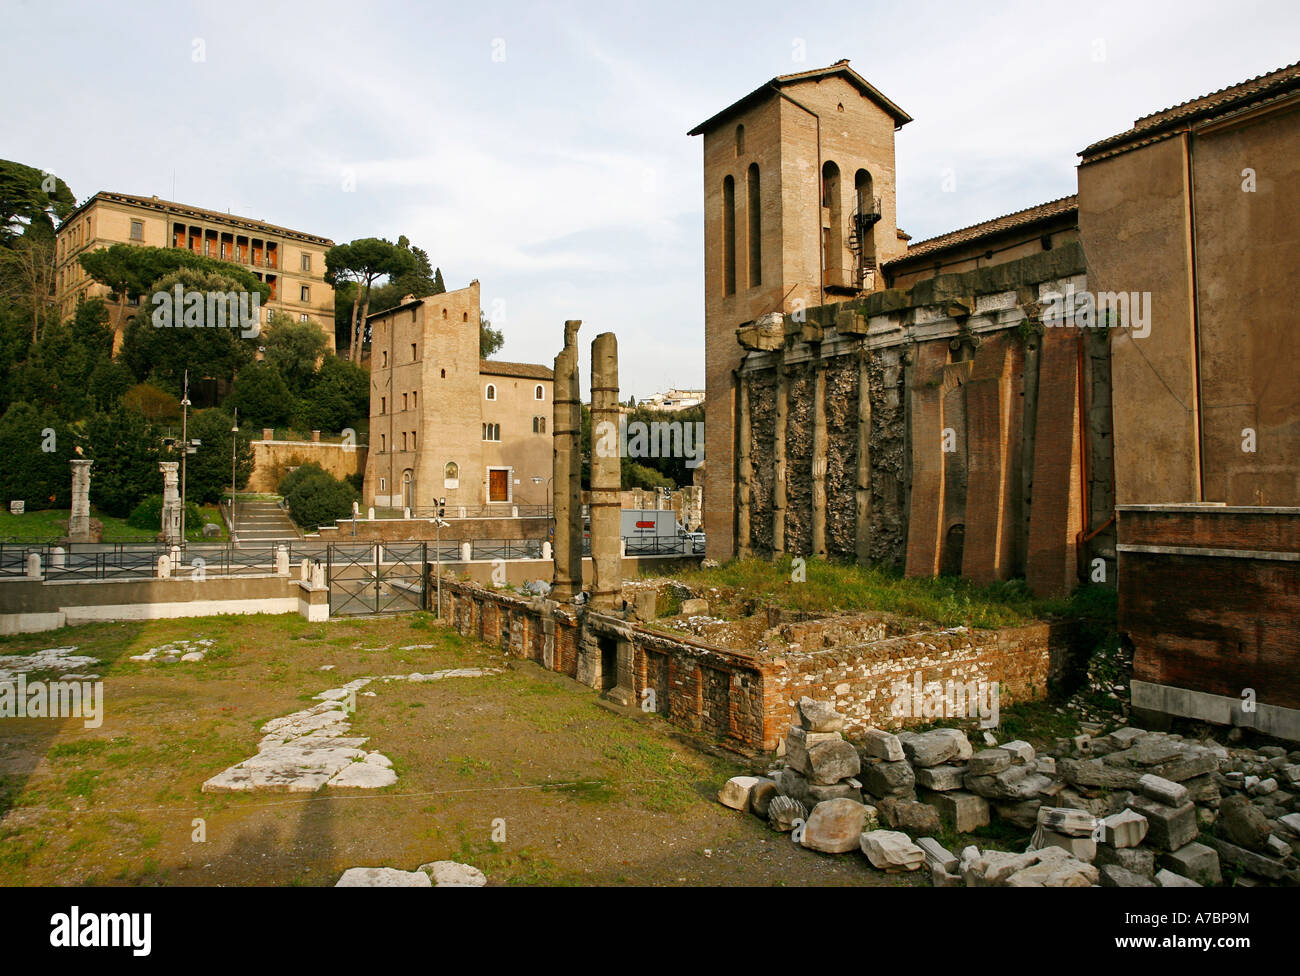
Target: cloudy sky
{"points": [[542, 147]]}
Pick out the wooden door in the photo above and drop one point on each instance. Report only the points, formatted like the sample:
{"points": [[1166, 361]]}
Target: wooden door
{"points": [[498, 485]]}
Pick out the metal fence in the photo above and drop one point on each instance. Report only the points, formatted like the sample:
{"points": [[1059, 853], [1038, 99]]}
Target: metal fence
{"points": [[140, 560]]}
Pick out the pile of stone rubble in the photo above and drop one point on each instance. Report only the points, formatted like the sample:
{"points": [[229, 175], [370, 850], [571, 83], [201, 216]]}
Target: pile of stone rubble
{"points": [[1128, 809]]}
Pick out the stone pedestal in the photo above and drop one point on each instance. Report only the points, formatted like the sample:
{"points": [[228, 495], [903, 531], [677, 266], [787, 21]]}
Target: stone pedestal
{"points": [[171, 509], [79, 519]]}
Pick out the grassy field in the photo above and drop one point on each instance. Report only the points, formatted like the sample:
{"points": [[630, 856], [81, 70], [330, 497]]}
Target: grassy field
{"points": [[833, 587], [584, 795], [43, 526]]}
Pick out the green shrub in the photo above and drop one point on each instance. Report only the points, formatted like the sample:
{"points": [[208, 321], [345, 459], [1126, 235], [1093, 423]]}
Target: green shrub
{"points": [[317, 497], [302, 472]]}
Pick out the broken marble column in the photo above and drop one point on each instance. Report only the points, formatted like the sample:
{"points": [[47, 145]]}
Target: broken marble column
{"points": [[606, 473], [567, 468], [79, 518], [171, 508]]}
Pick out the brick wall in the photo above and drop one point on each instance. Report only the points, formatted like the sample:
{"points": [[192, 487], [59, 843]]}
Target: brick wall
{"points": [[746, 700]]}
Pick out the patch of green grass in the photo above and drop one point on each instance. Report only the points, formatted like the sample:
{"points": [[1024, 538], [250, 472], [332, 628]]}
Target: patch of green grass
{"points": [[77, 749], [82, 783], [587, 790], [946, 601], [468, 765]]}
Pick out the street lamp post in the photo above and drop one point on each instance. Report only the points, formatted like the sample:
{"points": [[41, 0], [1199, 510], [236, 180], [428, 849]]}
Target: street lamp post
{"points": [[233, 431], [185, 448], [437, 549]]}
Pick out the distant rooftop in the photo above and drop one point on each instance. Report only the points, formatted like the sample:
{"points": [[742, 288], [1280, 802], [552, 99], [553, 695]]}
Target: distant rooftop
{"points": [[528, 371], [1041, 213], [184, 209], [1162, 124]]}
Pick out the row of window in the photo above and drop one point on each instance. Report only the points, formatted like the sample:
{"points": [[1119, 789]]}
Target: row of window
{"points": [[410, 401], [490, 392], [383, 442]]}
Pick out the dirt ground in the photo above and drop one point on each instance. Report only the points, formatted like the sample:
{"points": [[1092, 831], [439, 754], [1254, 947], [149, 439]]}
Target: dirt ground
{"points": [[581, 795]]}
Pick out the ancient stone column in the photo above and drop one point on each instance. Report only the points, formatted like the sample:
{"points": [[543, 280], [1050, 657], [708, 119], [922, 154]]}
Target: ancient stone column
{"points": [[171, 509], [79, 519], [566, 468], [862, 536], [744, 468], [820, 446], [778, 456], [606, 473]]}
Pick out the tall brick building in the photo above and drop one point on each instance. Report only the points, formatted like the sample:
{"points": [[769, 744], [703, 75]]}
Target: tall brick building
{"points": [[445, 423], [873, 400]]}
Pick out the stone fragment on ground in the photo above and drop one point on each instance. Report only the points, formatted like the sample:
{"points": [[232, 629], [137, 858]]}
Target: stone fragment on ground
{"points": [[783, 811], [890, 850], [180, 650], [452, 874], [383, 878], [834, 826], [735, 792], [815, 716]]}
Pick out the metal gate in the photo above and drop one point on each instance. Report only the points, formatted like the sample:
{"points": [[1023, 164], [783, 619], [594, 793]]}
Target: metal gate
{"points": [[382, 577]]}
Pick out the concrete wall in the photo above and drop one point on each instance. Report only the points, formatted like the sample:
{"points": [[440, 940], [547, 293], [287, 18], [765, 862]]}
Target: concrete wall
{"points": [[273, 459], [32, 605]]}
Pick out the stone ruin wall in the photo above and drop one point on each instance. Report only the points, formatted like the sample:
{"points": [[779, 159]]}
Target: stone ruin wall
{"points": [[748, 701]]}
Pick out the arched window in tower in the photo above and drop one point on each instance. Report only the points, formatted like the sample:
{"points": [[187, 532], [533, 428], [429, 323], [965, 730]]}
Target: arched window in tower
{"points": [[754, 209], [740, 141], [832, 230], [729, 236], [865, 217]]}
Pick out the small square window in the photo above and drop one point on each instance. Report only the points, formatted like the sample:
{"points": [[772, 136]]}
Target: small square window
{"points": [[303, 317]]}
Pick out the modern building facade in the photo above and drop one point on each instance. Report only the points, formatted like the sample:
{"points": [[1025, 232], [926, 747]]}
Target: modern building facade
{"points": [[291, 263], [445, 423]]}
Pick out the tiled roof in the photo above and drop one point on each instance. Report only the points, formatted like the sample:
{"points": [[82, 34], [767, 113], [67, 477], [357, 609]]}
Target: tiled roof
{"points": [[998, 225], [840, 67], [169, 206], [1272, 85], [528, 371]]}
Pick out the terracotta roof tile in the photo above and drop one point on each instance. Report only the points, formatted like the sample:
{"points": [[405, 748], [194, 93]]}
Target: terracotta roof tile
{"points": [[998, 225], [528, 371], [1259, 89]]}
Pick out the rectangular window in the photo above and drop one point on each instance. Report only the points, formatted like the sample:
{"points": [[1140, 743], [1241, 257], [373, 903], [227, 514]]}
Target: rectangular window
{"points": [[403, 440], [305, 294], [412, 440], [415, 399], [304, 317], [137, 230], [383, 443], [306, 262], [383, 404], [412, 352], [404, 404]]}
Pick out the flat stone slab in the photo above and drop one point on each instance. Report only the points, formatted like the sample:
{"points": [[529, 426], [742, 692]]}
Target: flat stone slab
{"points": [[50, 659], [383, 878], [452, 874], [309, 749], [363, 776]]}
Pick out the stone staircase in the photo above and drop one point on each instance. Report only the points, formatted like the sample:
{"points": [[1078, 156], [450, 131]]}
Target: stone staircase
{"points": [[263, 523]]}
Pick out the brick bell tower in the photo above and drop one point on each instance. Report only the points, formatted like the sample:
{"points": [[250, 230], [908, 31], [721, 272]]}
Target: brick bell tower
{"points": [[799, 210]]}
